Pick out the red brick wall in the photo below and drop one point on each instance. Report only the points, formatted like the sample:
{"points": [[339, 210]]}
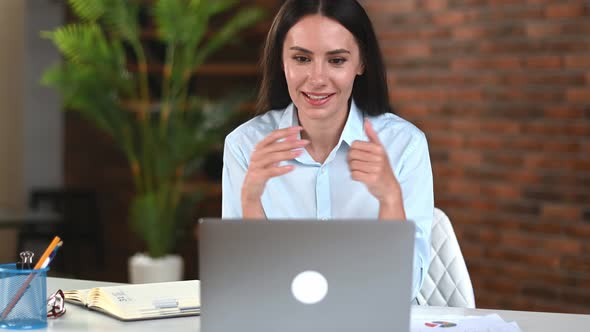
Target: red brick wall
{"points": [[502, 90]]}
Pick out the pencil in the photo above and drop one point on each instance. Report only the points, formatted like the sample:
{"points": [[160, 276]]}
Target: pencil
{"points": [[53, 246], [56, 240]]}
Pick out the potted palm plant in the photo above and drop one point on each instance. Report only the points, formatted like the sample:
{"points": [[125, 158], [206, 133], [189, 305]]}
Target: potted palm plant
{"points": [[163, 135]]}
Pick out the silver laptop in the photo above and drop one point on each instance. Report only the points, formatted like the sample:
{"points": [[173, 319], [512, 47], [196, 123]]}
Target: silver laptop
{"points": [[284, 276]]}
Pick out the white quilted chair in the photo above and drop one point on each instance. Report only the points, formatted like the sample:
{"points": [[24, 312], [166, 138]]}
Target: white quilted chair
{"points": [[447, 282]]}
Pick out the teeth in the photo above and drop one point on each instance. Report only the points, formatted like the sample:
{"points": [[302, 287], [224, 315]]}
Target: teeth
{"points": [[316, 97]]}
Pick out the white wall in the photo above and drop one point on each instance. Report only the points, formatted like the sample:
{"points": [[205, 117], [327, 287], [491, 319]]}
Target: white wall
{"points": [[30, 118], [11, 110], [43, 118]]}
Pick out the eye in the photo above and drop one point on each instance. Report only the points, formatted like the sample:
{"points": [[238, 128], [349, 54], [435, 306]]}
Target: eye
{"points": [[337, 61], [301, 59]]}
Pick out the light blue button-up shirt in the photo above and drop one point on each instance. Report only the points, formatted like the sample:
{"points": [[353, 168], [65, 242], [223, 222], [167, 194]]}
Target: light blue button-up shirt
{"points": [[327, 191]]}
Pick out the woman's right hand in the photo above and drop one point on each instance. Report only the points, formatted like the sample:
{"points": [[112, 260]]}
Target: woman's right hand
{"points": [[280, 145]]}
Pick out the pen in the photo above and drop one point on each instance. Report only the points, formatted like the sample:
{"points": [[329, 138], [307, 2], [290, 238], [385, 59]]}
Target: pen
{"points": [[42, 263]]}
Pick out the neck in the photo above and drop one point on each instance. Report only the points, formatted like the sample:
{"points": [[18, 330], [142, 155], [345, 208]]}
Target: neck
{"points": [[323, 135]]}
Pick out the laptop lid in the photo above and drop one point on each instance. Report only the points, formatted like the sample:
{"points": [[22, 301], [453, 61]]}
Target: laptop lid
{"points": [[305, 275]]}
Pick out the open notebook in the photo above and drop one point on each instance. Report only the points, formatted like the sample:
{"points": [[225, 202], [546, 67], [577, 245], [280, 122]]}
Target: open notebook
{"points": [[141, 301]]}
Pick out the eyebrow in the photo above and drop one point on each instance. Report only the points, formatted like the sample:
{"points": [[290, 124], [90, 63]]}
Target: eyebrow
{"points": [[304, 50]]}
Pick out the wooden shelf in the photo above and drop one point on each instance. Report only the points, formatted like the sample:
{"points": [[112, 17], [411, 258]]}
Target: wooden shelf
{"points": [[211, 189], [260, 29], [135, 107], [217, 69], [229, 69]]}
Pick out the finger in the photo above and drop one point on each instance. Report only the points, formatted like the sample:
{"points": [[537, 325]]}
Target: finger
{"points": [[278, 134], [365, 178], [364, 167], [286, 145], [263, 161], [278, 171], [290, 143], [371, 133], [257, 178], [369, 147], [357, 154]]}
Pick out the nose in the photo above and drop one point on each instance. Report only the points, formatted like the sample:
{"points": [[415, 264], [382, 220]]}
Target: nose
{"points": [[317, 75]]}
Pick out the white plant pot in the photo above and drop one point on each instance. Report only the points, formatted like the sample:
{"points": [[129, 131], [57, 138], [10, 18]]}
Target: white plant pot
{"points": [[145, 269]]}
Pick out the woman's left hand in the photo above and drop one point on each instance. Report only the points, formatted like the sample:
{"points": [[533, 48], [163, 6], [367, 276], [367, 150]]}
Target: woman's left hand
{"points": [[369, 164]]}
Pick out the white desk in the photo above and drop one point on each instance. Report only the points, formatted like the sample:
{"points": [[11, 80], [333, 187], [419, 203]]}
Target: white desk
{"points": [[79, 319]]}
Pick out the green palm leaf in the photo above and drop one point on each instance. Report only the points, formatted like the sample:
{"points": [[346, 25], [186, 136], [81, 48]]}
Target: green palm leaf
{"points": [[88, 10], [216, 7], [81, 43], [166, 14], [148, 218], [241, 20], [121, 18], [179, 21]]}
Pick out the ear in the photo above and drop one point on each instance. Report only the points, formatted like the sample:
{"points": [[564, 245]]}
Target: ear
{"points": [[361, 69]]}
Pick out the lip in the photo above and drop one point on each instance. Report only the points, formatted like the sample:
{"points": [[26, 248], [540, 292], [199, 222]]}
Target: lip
{"points": [[317, 102]]}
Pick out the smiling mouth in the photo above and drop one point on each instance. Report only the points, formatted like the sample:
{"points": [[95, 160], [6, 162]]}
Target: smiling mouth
{"points": [[317, 97]]}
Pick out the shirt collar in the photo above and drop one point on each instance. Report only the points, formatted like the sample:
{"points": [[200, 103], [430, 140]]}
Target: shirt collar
{"points": [[353, 128], [289, 117]]}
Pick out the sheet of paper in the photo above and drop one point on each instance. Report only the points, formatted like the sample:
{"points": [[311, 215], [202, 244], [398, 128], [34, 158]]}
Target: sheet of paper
{"points": [[447, 323]]}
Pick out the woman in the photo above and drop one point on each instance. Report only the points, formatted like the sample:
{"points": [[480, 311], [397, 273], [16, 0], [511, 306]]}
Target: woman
{"points": [[328, 145]]}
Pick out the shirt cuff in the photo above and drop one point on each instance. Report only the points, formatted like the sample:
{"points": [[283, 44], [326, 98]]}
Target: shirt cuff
{"points": [[418, 279]]}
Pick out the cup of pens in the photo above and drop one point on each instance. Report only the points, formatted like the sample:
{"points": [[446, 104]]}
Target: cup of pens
{"points": [[29, 309], [23, 290]]}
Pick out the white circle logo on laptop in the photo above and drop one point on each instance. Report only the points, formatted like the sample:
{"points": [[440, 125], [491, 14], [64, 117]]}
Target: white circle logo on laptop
{"points": [[309, 287]]}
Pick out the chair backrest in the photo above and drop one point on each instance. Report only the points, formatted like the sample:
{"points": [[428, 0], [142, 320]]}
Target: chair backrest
{"points": [[447, 282]]}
